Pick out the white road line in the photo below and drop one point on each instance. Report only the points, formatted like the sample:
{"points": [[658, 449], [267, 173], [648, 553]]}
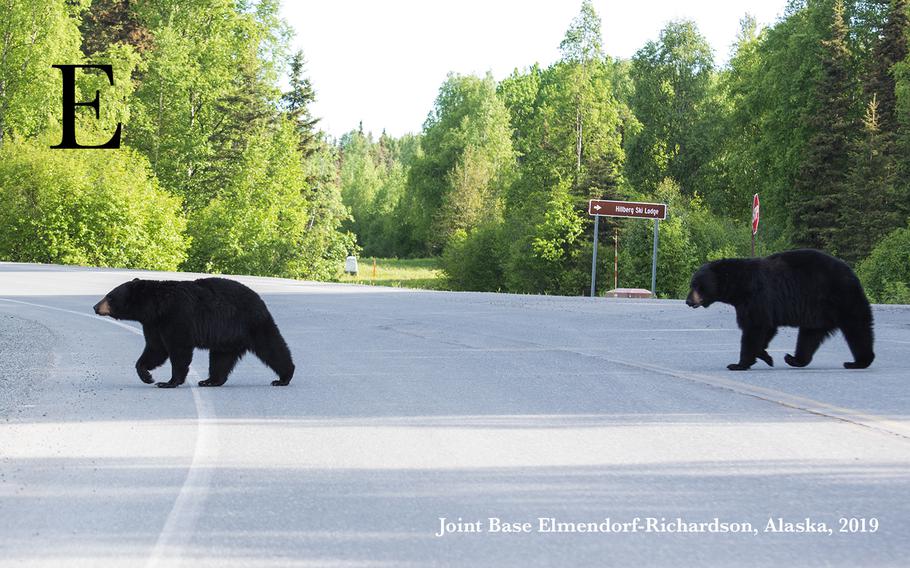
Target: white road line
{"points": [[781, 398], [181, 520]]}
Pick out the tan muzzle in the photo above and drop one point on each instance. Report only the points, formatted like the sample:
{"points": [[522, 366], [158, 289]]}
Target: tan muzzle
{"points": [[103, 308]]}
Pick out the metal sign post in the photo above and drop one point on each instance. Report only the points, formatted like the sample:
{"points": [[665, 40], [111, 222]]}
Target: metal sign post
{"points": [[605, 208], [654, 259], [615, 258], [594, 258]]}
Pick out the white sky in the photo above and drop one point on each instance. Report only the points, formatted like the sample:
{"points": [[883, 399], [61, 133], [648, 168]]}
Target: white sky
{"points": [[383, 61]]}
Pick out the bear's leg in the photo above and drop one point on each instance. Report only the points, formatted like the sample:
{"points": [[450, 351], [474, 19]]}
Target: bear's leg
{"points": [[807, 343], [859, 339], [153, 356], [751, 346], [271, 348], [181, 357], [220, 365], [764, 356]]}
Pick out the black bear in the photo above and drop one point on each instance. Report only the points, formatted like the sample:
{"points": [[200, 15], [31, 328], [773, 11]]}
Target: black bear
{"points": [[217, 314], [805, 288]]}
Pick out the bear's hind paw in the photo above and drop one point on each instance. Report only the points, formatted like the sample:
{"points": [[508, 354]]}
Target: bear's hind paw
{"points": [[764, 356], [280, 383], [737, 367], [211, 383], [145, 376]]}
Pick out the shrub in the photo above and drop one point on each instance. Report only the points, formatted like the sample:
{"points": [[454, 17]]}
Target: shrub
{"points": [[885, 273], [473, 261], [87, 207]]}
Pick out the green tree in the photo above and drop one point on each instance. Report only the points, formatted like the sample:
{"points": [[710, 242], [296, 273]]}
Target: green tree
{"points": [[297, 103], [870, 207], [735, 171], [360, 180], [690, 236], [109, 22], [822, 179], [198, 47], [582, 46], [34, 34], [885, 273], [264, 224], [672, 85], [468, 130]]}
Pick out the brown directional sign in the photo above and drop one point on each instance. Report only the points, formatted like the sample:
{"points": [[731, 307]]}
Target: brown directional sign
{"points": [[605, 208]]}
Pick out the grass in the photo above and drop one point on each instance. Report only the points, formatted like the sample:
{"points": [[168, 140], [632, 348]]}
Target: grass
{"points": [[421, 273]]}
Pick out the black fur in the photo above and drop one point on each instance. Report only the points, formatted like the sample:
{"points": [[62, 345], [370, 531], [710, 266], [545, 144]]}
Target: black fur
{"points": [[807, 289], [217, 314]]}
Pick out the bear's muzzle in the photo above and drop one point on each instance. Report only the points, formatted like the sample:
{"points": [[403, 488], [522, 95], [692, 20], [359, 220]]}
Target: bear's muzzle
{"points": [[694, 300], [103, 308]]}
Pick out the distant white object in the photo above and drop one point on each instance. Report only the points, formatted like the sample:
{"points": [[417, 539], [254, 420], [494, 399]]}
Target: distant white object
{"points": [[629, 293], [350, 265]]}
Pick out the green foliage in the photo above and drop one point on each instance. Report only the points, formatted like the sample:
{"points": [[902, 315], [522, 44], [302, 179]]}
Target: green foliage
{"points": [[473, 261], [545, 252], [583, 41], [262, 223], [360, 178], [88, 208], [673, 78], [297, 105], [36, 34], [690, 236], [467, 159], [110, 22], [207, 90], [812, 113], [373, 178], [885, 273], [822, 176]]}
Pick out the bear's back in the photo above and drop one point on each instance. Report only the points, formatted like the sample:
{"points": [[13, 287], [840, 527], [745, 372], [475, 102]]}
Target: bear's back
{"points": [[812, 288]]}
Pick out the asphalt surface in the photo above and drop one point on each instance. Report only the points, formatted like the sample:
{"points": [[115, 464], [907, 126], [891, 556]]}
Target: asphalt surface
{"points": [[409, 406]]}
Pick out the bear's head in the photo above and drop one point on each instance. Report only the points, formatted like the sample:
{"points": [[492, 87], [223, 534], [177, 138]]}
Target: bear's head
{"points": [[123, 302], [705, 288]]}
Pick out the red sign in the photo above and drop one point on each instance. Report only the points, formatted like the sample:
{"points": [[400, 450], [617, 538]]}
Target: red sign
{"points": [[605, 208], [755, 214]]}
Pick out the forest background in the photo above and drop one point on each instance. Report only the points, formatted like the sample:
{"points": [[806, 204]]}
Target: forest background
{"points": [[224, 169]]}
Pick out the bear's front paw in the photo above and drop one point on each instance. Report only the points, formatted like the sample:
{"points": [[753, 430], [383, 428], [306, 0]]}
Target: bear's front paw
{"points": [[764, 356], [168, 385], [144, 375], [211, 383], [738, 367], [280, 383]]}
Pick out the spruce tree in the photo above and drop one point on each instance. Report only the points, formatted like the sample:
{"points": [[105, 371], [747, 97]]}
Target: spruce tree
{"points": [[891, 48], [297, 103], [821, 183], [107, 22], [869, 209]]}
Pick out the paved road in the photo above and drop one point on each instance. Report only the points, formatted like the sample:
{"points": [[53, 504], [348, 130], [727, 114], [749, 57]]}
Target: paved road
{"points": [[411, 406]]}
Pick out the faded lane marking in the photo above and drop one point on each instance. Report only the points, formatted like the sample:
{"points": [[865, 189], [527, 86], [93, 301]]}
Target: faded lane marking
{"points": [[181, 520]]}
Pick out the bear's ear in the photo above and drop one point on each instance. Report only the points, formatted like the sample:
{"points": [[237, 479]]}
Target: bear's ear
{"points": [[135, 280]]}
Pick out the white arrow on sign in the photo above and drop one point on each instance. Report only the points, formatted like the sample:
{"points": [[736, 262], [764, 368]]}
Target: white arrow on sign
{"points": [[597, 207]]}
